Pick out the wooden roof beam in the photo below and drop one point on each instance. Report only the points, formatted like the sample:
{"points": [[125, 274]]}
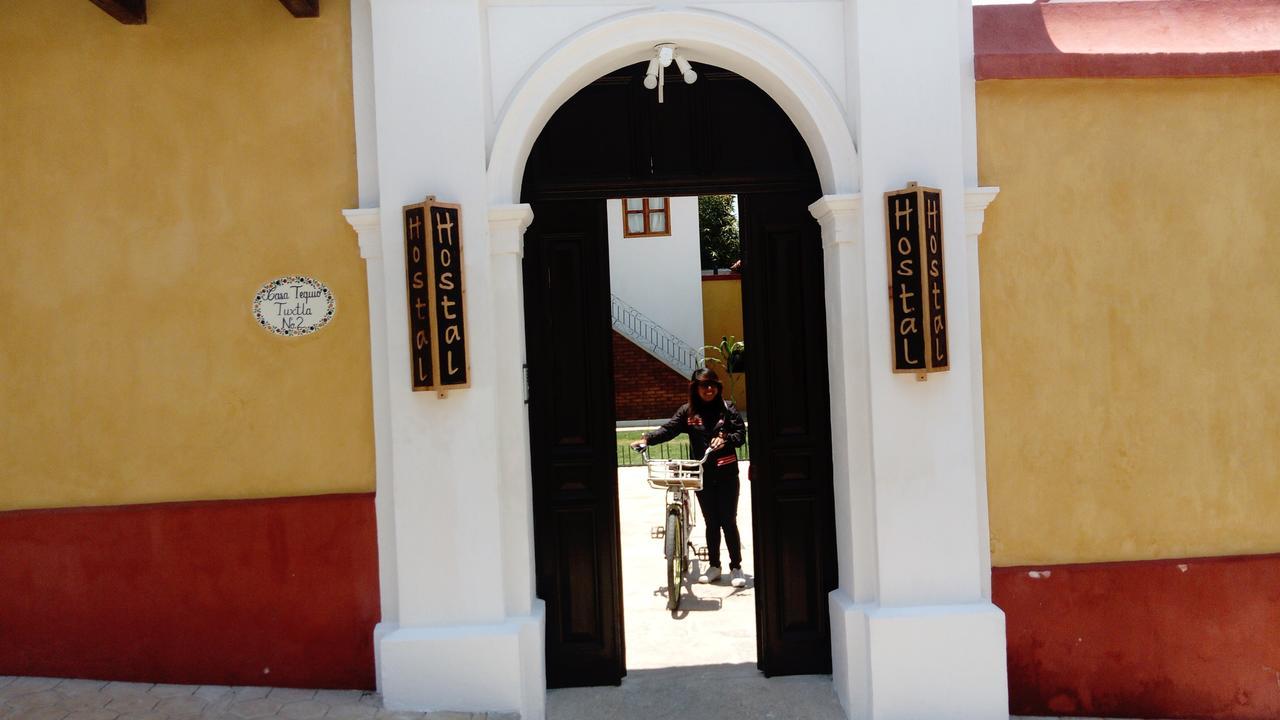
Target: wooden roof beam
{"points": [[129, 12], [302, 8]]}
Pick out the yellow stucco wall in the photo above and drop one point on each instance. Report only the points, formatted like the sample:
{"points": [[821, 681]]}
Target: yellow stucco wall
{"points": [[153, 178], [1131, 317], [721, 317]]}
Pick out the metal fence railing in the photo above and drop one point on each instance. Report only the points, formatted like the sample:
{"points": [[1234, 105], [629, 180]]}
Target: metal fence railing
{"points": [[657, 340], [674, 450]]}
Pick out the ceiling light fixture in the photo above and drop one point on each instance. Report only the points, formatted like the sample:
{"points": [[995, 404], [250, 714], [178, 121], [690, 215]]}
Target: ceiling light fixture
{"points": [[655, 74]]}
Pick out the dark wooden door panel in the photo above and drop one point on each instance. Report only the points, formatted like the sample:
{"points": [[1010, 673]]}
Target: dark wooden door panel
{"points": [[575, 487], [592, 138], [613, 139], [568, 336], [802, 605], [783, 311], [578, 561], [791, 488]]}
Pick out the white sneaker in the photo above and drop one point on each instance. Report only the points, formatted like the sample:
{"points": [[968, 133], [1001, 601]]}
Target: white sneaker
{"points": [[738, 580], [709, 575]]}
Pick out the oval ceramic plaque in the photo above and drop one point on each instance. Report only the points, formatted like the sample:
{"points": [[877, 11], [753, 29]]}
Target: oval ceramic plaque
{"points": [[294, 305]]}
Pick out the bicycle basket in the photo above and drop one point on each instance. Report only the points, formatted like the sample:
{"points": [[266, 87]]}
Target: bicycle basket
{"points": [[667, 474]]}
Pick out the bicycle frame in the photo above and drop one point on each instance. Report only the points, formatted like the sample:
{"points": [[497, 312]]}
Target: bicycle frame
{"points": [[677, 478], [678, 499]]}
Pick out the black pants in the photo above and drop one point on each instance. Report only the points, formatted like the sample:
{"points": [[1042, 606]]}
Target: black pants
{"points": [[718, 499]]}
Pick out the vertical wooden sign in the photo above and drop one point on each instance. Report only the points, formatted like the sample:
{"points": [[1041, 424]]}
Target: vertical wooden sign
{"points": [[917, 281], [416, 252], [935, 281], [437, 320], [451, 366]]}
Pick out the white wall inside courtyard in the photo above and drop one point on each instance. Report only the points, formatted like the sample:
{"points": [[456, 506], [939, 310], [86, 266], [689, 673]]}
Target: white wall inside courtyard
{"points": [[661, 276]]}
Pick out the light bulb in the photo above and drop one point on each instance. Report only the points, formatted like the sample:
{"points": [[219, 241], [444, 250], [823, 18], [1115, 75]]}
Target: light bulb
{"points": [[690, 77], [651, 75]]}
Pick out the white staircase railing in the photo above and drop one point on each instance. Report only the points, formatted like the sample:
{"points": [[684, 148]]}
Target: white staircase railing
{"points": [[653, 338]]}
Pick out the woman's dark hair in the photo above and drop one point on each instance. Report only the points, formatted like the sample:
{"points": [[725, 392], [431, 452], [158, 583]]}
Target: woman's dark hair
{"points": [[700, 376]]}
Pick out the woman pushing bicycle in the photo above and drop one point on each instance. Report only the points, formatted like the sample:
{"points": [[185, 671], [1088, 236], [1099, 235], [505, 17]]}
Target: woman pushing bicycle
{"points": [[712, 424]]}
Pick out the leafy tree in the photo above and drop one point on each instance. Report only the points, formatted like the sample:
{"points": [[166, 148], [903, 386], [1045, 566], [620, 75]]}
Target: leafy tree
{"points": [[718, 243]]}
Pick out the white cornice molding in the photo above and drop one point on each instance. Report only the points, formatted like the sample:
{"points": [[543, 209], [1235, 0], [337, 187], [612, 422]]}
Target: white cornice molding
{"points": [[507, 224], [366, 223], [840, 217], [976, 201]]}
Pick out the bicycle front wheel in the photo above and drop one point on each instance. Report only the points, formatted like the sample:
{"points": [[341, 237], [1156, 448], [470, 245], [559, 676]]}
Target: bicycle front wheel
{"points": [[675, 558]]}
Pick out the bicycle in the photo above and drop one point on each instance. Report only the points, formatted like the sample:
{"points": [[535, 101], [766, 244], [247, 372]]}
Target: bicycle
{"points": [[677, 478]]}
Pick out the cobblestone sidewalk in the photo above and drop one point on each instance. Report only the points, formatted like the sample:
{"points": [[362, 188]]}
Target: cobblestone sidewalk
{"points": [[25, 698]]}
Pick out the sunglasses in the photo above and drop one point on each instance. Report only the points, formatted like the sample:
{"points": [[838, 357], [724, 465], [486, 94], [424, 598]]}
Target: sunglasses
{"points": [[708, 385]]}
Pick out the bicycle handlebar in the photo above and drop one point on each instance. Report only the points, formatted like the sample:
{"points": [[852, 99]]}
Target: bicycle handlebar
{"points": [[644, 453]]}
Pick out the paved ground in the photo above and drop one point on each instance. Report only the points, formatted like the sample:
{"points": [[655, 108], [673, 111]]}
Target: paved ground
{"points": [[714, 692], [696, 662], [715, 624], [700, 660], [731, 692], [54, 699]]}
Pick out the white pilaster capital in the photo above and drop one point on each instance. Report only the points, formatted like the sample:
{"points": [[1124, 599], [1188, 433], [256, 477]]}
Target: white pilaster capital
{"points": [[840, 217], [365, 221], [507, 224], [976, 201]]}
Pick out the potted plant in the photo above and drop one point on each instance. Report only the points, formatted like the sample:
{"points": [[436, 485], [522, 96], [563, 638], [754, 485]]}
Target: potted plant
{"points": [[731, 356]]}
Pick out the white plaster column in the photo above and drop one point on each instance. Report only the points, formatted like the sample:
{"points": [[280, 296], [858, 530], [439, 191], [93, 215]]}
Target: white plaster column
{"points": [[911, 102], [464, 640], [362, 100], [976, 201], [845, 280], [506, 236], [845, 277], [926, 640], [368, 229]]}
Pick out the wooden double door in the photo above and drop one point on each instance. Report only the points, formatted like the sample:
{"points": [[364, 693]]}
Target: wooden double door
{"points": [[613, 139], [571, 415]]}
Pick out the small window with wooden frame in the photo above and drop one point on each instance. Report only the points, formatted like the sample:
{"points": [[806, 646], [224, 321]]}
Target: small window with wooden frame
{"points": [[646, 217]]}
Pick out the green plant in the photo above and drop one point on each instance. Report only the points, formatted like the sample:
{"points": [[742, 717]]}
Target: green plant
{"points": [[730, 355]]}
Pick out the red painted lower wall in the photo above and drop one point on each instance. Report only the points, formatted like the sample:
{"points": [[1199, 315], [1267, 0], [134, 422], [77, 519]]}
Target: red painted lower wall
{"points": [[279, 592], [1193, 638], [643, 387]]}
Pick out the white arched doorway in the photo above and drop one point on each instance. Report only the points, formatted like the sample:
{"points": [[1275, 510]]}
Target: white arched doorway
{"points": [[462, 627], [735, 45]]}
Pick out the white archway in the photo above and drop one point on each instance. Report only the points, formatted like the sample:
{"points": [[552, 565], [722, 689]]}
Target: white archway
{"points": [[703, 36], [455, 512], [809, 103]]}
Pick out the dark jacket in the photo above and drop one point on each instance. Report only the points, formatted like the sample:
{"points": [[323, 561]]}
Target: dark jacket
{"points": [[723, 420]]}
